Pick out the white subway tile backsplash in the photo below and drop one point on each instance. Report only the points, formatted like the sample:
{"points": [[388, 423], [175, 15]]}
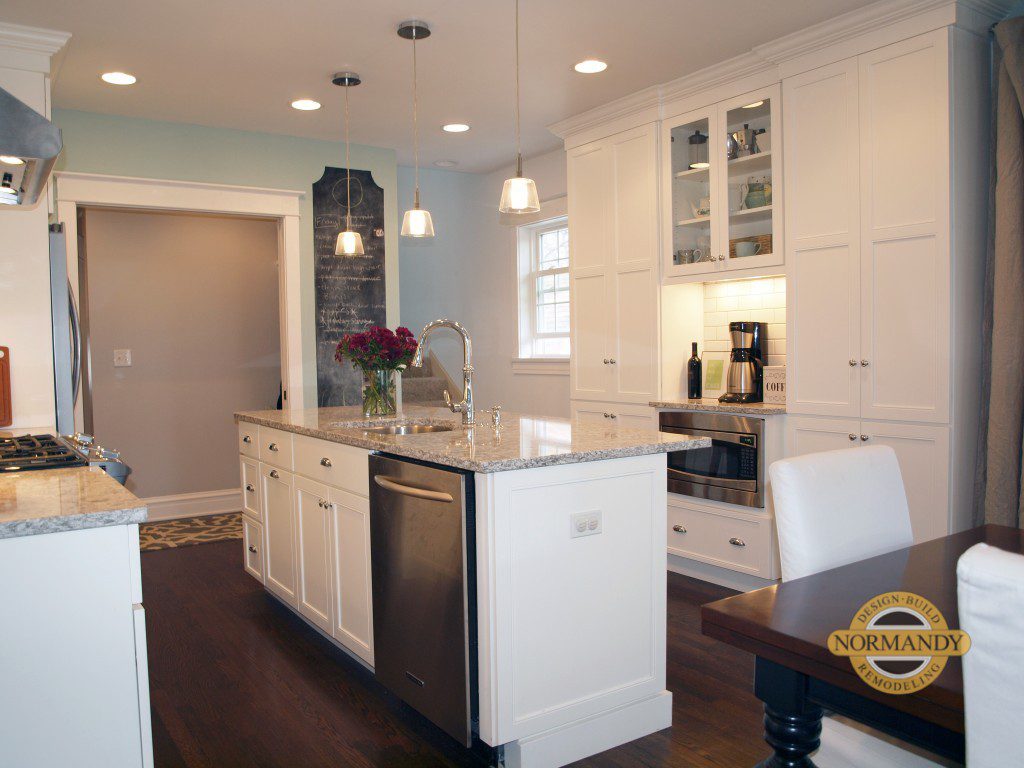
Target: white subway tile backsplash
{"points": [[762, 300], [750, 302], [710, 303], [715, 318], [779, 315], [726, 303]]}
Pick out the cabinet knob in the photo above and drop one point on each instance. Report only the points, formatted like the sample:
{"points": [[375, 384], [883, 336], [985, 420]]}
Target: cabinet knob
{"points": [[250, 488], [737, 542], [274, 474], [325, 462], [853, 363], [252, 549], [612, 416], [721, 257], [246, 439], [864, 363], [865, 437], [678, 529], [852, 436], [605, 361], [611, 361], [273, 447], [607, 415]]}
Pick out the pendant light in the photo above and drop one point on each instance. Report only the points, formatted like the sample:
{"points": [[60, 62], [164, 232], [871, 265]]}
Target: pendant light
{"points": [[519, 195], [350, 243], [417, 221]]}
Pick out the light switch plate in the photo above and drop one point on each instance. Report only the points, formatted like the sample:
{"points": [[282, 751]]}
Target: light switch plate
{"points": [[122, 358], [584, 523]]}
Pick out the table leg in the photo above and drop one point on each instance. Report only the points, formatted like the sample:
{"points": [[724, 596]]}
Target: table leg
{"points": [[792, 724]]}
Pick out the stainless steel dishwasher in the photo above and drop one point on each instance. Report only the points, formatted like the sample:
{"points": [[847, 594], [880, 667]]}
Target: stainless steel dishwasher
{"points": [[424, 594]]}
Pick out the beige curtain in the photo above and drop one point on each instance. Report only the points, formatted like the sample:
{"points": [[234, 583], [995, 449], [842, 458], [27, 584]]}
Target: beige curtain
{"points": [[1002, 448]]}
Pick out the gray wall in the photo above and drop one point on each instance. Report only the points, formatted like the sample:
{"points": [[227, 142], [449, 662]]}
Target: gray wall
{"points": [[195, 299], [468, 273]]}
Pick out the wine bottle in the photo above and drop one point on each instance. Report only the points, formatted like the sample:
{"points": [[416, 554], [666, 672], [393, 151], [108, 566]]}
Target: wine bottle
{"points": [[694, 376]]}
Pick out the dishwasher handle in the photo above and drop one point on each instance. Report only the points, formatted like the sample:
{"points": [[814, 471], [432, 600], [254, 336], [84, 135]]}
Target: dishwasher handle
{"points": [[408, 490]]}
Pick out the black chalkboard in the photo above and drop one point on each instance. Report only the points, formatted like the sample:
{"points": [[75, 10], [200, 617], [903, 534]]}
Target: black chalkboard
{"points": [[350, 295]]}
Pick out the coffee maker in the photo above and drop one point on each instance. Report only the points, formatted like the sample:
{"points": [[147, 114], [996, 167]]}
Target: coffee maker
{"points": [[744, 381]]}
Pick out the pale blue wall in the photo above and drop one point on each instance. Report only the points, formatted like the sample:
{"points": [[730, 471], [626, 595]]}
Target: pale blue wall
{"points": [[122, 146]]}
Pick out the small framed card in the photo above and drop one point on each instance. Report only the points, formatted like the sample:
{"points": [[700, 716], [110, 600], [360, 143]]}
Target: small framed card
{"points": [[715, 365]]}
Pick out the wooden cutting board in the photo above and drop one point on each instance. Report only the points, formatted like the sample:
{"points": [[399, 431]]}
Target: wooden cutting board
{"points": [[6, 412]]}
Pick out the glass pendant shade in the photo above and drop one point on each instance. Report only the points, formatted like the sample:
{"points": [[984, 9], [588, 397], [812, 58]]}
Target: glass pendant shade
{"points": [[417, 223], [349, 244], [519, 195]]}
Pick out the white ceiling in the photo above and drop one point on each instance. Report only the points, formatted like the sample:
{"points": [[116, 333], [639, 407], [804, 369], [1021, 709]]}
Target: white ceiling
{"points": [[240, 63]]}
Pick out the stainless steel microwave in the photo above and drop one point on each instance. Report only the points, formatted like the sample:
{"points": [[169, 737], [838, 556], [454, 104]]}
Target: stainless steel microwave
{"points": [[730, 470]]}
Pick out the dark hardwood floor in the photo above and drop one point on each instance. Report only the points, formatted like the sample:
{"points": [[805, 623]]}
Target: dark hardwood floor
{"points": [[236, 680]]}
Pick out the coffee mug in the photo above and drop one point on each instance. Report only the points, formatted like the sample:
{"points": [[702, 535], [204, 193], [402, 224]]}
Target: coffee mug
{"points": [[747, 248]]}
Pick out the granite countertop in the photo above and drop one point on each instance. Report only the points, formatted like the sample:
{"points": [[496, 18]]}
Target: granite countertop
{"points": [[711, 405], [55, 500], [522, 443]]}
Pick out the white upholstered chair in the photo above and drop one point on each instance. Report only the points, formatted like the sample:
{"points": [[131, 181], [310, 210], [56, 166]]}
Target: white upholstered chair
{"points": [[831, 509], [990, 589], [838, 507]]}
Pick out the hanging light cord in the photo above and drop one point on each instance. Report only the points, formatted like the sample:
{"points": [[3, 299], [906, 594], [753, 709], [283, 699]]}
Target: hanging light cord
{"points": [[519, 151], [415, 126], [348, 172]]}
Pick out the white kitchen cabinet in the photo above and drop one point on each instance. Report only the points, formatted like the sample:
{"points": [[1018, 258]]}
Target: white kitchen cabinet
{"points": [[614, 414], [250, 472], [313, 550], [709, 202], [923, 452], [613, 225], [353, 603], [276, 489], [724, 537], [252, 543]]}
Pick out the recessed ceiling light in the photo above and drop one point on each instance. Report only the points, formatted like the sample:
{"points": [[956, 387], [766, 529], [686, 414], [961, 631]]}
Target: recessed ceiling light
{"points": [[306, 105], [455, 127], [9, 160], [753, 104], [445, 163], [591, 66], [118, 78]]}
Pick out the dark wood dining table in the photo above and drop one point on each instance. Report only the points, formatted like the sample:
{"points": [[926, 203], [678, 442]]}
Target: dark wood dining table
{"points": [[786, 626]]}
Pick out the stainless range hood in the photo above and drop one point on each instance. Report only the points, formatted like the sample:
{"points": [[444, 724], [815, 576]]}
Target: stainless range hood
{"points": [[27, 136]]}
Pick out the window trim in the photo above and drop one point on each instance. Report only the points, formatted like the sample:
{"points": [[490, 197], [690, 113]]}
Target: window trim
{"points": [[553, 215]]}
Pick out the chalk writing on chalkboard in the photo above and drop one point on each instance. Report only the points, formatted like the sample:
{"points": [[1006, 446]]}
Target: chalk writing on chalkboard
{"points": [[349, 290]]}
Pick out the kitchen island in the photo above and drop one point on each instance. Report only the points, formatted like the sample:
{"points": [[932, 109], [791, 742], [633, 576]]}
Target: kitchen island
{"points": [[74, 668], [570, 622]]}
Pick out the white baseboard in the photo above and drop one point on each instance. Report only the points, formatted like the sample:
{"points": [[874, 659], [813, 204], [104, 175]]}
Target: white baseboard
{"points": [[561, 746], [194, 504]]}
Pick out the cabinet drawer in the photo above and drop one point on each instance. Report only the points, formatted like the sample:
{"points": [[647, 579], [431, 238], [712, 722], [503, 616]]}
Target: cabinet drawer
{"points": [[248, 440], [337, 465], [276, 447], [251, 488], [739, 543], [252, 540]]}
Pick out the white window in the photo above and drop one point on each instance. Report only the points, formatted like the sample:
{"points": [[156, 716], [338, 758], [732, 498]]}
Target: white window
{"points": [[543, 251]]}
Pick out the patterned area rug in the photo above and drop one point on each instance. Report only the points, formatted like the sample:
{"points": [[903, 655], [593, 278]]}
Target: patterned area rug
{"points": [[167, 534]]}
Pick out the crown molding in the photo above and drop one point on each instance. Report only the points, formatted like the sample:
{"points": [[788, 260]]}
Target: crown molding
{"points": [[805, 41], [32, 39]]}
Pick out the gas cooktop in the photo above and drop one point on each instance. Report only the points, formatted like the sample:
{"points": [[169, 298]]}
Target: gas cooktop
{"points": [[18, 454]]}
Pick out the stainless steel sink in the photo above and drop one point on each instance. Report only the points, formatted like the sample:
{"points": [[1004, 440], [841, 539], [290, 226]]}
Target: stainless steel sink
{"points": [[409, 429]]}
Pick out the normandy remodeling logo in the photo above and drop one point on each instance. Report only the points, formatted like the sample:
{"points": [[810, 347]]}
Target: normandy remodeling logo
{"points": [[898, 642]]}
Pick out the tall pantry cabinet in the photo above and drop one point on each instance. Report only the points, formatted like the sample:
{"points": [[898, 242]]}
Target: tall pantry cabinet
{"points": [[614, 289], [886, 173]]}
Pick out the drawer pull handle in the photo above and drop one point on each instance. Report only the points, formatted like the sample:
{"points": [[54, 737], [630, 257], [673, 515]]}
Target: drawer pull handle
{"points": [[252, 549], [678, 529], [273, 447], [273, 474], [249, 487], [865, 438], [325, 462], [246, 439], [852, 436], [737, 542], [853, 363]]}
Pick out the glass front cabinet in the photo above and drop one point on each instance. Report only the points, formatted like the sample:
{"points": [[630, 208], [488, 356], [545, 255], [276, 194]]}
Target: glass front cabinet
{"points": [[723, 176]]}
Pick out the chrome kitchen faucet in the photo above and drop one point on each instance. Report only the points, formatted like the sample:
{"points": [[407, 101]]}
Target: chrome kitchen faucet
{"points": [[466, 406]]}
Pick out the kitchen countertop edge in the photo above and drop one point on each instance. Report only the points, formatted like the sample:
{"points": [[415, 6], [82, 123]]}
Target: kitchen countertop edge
{"points": [[35, 526], [713, 406]]}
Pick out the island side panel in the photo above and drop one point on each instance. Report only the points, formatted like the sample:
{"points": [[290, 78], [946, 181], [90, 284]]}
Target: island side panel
{"points": [[570, 627]]}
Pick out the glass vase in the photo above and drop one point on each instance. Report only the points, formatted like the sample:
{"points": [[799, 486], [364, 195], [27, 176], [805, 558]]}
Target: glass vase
{"points": [[379, 392]]}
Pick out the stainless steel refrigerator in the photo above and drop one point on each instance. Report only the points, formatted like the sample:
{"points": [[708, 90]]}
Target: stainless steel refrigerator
{"points": [[67, 336]]}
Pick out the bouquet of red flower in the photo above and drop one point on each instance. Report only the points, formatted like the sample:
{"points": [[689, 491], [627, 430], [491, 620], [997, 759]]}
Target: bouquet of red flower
{"points": [[378, 353]]}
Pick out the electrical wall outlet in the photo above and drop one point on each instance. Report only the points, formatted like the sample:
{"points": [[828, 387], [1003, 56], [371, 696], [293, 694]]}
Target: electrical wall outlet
{"points": [[122, 358], [584, 524]]}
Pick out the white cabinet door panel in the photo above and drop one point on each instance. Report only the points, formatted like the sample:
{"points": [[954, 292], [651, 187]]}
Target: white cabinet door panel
{"points": [[808, 434], [590, 374], [635, 346], [590, 210], [353, 606], [313, 525], [635, 199], [252, 543], [250, 471], [279, 517], [923, 453]]}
